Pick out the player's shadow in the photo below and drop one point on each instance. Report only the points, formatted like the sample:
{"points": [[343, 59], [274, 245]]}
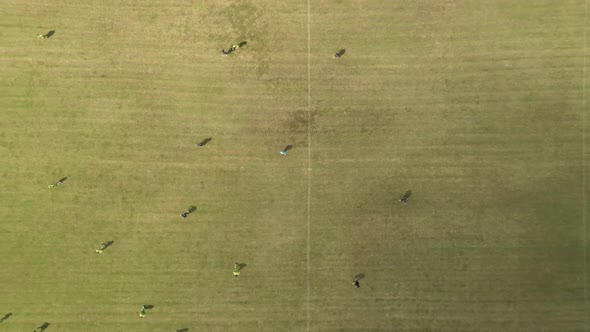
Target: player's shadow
{"points": [[108, 244], [5, 317], [191, 209], [205, 141], [288, 147], [63, 179], [50, 33], [42, 327], [242, 44], [148, 306], [182, 330], [359, 276], [407, 195], [242, 265], [341, 52]]}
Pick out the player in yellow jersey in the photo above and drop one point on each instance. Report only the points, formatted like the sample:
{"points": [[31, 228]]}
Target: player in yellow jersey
{"points": [[237, 269], [142, 312]]}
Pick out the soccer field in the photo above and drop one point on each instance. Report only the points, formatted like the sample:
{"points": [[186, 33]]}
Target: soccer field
{"points": [[477, 107]]}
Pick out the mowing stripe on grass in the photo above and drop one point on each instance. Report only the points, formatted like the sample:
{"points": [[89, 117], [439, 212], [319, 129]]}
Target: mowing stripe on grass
{"points": [[584, 152], [308, 149]]}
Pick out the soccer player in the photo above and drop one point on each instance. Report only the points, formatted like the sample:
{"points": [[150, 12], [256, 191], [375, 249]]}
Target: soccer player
{"points": [[356, 283], [226, 53], [404, 199], [336, 56], [56, 184], [283, 152], [237, 269], [142, 312], [184, 215], [103, 246], [235, 47]]}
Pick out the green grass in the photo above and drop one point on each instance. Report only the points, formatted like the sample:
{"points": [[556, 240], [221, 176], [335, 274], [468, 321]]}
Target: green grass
{"points": [[475, 106]]}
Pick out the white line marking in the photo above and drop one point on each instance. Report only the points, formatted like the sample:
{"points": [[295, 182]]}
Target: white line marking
{"points": [[308, 153], [584, 157]]}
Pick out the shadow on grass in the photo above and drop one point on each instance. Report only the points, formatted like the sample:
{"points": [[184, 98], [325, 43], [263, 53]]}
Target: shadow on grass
{"points": [[339, 53], [42, 327], [108, 244], [205, 141], [406, 196], [5, 317]]}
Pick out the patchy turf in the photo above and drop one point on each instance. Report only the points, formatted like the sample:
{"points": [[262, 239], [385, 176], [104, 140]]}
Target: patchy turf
{"points": [[476, 107]]}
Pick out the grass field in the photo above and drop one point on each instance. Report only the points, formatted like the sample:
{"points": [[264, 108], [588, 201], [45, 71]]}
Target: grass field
{"points": [[477, 107]]}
